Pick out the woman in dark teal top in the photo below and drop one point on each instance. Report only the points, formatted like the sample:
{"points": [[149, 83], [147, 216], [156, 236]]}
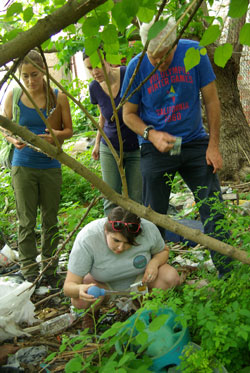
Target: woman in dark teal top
{"points": [[36, 178]]}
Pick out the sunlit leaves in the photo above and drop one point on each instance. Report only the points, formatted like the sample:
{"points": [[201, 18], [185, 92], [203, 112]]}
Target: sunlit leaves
{"points": [[222, 54], [130, 7], [120, 17], [192, 58], [210, 35], [91, 45], [106, 7], [28, 14], [109, 34], [156, 28], [114, 59], [237, 8], [90, 26], [15, 8], [145, 14], [245, 34]]}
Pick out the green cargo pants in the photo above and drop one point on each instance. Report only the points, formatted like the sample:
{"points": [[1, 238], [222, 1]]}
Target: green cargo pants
{"points": [[36, 188]]}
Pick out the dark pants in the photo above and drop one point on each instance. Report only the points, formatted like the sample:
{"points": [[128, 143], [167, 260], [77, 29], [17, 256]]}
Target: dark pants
{"points": [[158, 170]]}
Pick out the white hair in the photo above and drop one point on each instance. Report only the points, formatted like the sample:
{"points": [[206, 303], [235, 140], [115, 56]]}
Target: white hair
{"points": [[153, 44]]}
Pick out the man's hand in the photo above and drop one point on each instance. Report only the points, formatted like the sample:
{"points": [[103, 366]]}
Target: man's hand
{"points": [[163, 141], [214, 158]]}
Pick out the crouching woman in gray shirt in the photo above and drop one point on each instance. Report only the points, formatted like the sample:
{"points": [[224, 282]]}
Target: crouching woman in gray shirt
{"points": [[112, 252]]}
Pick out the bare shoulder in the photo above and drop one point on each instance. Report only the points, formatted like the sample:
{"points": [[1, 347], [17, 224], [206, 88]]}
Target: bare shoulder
{"points": [[62, 98]]}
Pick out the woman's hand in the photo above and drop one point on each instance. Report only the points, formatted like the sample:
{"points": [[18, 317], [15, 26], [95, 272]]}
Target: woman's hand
{"points": [[151, 272], [47, 136], [18, 144], [96, 152], [83, 288]]}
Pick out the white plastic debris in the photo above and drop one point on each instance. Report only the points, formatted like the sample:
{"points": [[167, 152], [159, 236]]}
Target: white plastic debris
{"points": [[15, 308], [7, 256]]}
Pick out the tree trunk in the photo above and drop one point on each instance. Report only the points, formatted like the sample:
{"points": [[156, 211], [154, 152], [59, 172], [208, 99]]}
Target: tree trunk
{"points": [[235, 131]]}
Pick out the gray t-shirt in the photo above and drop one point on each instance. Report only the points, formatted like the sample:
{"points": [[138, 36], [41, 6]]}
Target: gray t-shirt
{"points": [[91, 254]]}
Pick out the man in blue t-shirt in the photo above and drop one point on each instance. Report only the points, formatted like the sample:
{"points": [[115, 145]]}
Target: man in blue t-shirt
{"points": [[170, 107]]}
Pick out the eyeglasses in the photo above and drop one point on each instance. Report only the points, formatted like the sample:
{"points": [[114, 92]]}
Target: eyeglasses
{"points": [[118, 226]]}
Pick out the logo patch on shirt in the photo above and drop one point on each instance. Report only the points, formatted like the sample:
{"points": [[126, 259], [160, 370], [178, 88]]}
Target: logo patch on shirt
{"points": [[140, 261]]}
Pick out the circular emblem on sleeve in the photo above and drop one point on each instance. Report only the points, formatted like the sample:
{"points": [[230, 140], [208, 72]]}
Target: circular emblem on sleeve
{"points": [[140, 261]]}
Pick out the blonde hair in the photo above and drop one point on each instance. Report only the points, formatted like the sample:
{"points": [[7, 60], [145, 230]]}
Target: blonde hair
{"points": [[37, 58], [153, 44]]}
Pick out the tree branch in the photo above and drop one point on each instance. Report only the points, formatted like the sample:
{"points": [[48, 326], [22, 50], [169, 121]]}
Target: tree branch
{"points": [[145, 212], [70, 13]]}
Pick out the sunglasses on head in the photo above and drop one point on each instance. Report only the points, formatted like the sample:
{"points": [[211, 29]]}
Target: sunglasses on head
{"points": [[118, 226]]}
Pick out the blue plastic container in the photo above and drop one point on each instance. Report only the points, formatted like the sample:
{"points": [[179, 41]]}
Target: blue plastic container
{"points": [[166, 343]]}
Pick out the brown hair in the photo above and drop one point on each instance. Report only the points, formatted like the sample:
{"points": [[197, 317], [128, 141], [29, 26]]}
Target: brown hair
{"points": [[120, 214], [37, 58]]}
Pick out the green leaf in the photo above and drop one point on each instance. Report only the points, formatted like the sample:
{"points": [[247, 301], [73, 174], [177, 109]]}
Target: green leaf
{"points": [[15, 8], [91, 45], [142, 338], [109, 34], [192, 58], [244, 312], [237, 8], [28, 14], [111, 48], [203, 51], [91, 26], [130, 7], [157, 323], [114, 59], [145, 14], [128, 356], [245, 34], [112, 331], [106, 7], [120, 17], [74, 365], [222, 54], [156, 28], [140, 325], [50, 357], [103, 19], [210, 35]]}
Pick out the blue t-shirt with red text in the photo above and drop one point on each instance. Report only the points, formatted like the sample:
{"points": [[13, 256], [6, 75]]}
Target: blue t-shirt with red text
{"points": [[170, 100], [98, 96]]}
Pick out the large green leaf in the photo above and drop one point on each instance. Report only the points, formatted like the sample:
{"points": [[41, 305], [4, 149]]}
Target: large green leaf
{"points": [[245, 34], [15, 8], [106, 7], [145, 14], [91, 45], [28, 14], [210, 35], [114, 59], [111, 48], [222, 54], [192, 58], [120, 17], [90, 26], [158, 322], [130, 7], [237, 8], [156, 28], [103, 18], [109, 34]]}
